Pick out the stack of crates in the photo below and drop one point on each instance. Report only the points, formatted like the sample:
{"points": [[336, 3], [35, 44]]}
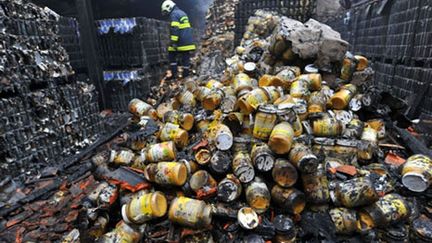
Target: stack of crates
{"points": [[300, 10], [46, 115], [134, 56], [70, 40]]}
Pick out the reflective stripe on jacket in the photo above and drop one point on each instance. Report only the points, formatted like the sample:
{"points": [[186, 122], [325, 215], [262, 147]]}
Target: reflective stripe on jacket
{"points": [[181, 31]]}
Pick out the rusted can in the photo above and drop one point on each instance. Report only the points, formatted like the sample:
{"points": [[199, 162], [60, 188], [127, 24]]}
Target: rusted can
{"points": [[229, 189], [223, 137], [302, 158], [144, 207], [242, 82], [202, 183], [121, 157], [284, 173], [165, 151], [140, 108], [353, 129], [327, 126], [300, 89], [316, 186], [213, 100], [354, 193], [258, 196], [314, 80], [190, 212], [289, 200], [317, 102], [250, 102], [342, 98], [214, 84], [166, 173], [345, 220], [173, 132], [220, 162], [247, 218], [186, 98], [390, 209], [265, 120], [281, 138], [417, 173], [285, 229], [362, 62], [242, 167], [262, 157], [203, 156], [185, 120]]}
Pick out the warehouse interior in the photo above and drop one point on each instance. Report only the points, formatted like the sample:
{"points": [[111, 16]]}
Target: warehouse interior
{"points": [[300, 121]]}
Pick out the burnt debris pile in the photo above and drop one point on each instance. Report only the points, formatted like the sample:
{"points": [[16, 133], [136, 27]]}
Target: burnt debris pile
{"points": [[289, 142]]}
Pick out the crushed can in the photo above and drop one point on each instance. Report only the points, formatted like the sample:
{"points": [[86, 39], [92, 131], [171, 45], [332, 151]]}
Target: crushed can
{"points": [[229, 189], [242, 167], [302, 158], [354, 193], [262, 157]]}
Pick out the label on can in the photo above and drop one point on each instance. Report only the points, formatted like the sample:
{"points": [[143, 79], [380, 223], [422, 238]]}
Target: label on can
{"points": [[393, 208], [264, 124], [161, 152], [256, 98], [165, 173], [139, 209], [169, 132], [187, 210], [124, 157]]}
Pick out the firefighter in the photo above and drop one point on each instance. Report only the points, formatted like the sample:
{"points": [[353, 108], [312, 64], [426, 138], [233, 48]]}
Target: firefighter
{"points": [[181, 38]]}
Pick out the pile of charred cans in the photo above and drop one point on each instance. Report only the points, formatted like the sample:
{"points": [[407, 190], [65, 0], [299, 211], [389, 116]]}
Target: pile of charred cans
{"points": [[279, 156]]}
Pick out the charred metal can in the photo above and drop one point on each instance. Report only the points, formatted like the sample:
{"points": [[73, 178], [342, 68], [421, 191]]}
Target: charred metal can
{"points": [[165, 151], [229, 189], [327, 126], [262, 157], [242, 167], [342, 98], [258, 195], [220, 162], [354, 193], [223, 137], [139, 108], [285, 229], [417, 173], [300, 89], [108, 196], [302, 158], [390, 209], [99, 226], [202, 92], [281, 138], [379, 126], [265, 120], [122, 157], [213, 100], [214, 84], [250, 102], [314, 80], [317, 102], [144, 207], [202, 183], [273, 93], [284, 173], [190, 212], [173, 132], [185, 120], [369, 134], [247, 218], [122, 233], [345, 220], [316, 186], [269, 80], [362, 62], [202, 123], [186, 98], [166, 173], [349, 66], [398, 233], [288, 199], [353, 129], [242, 82], [229, 104], [203, 156], [421, 229]]}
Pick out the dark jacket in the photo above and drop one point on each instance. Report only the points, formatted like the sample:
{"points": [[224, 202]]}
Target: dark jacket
{"points": [[181, 31]]}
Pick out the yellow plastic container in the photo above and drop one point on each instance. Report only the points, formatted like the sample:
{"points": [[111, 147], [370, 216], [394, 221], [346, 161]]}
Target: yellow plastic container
{"points": [[250, 102], [281, 138], [165, 151], [172, 132], [190, 212], [166, 173], [145, 207], [242, 82], [265, 120], [342, 98]]}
